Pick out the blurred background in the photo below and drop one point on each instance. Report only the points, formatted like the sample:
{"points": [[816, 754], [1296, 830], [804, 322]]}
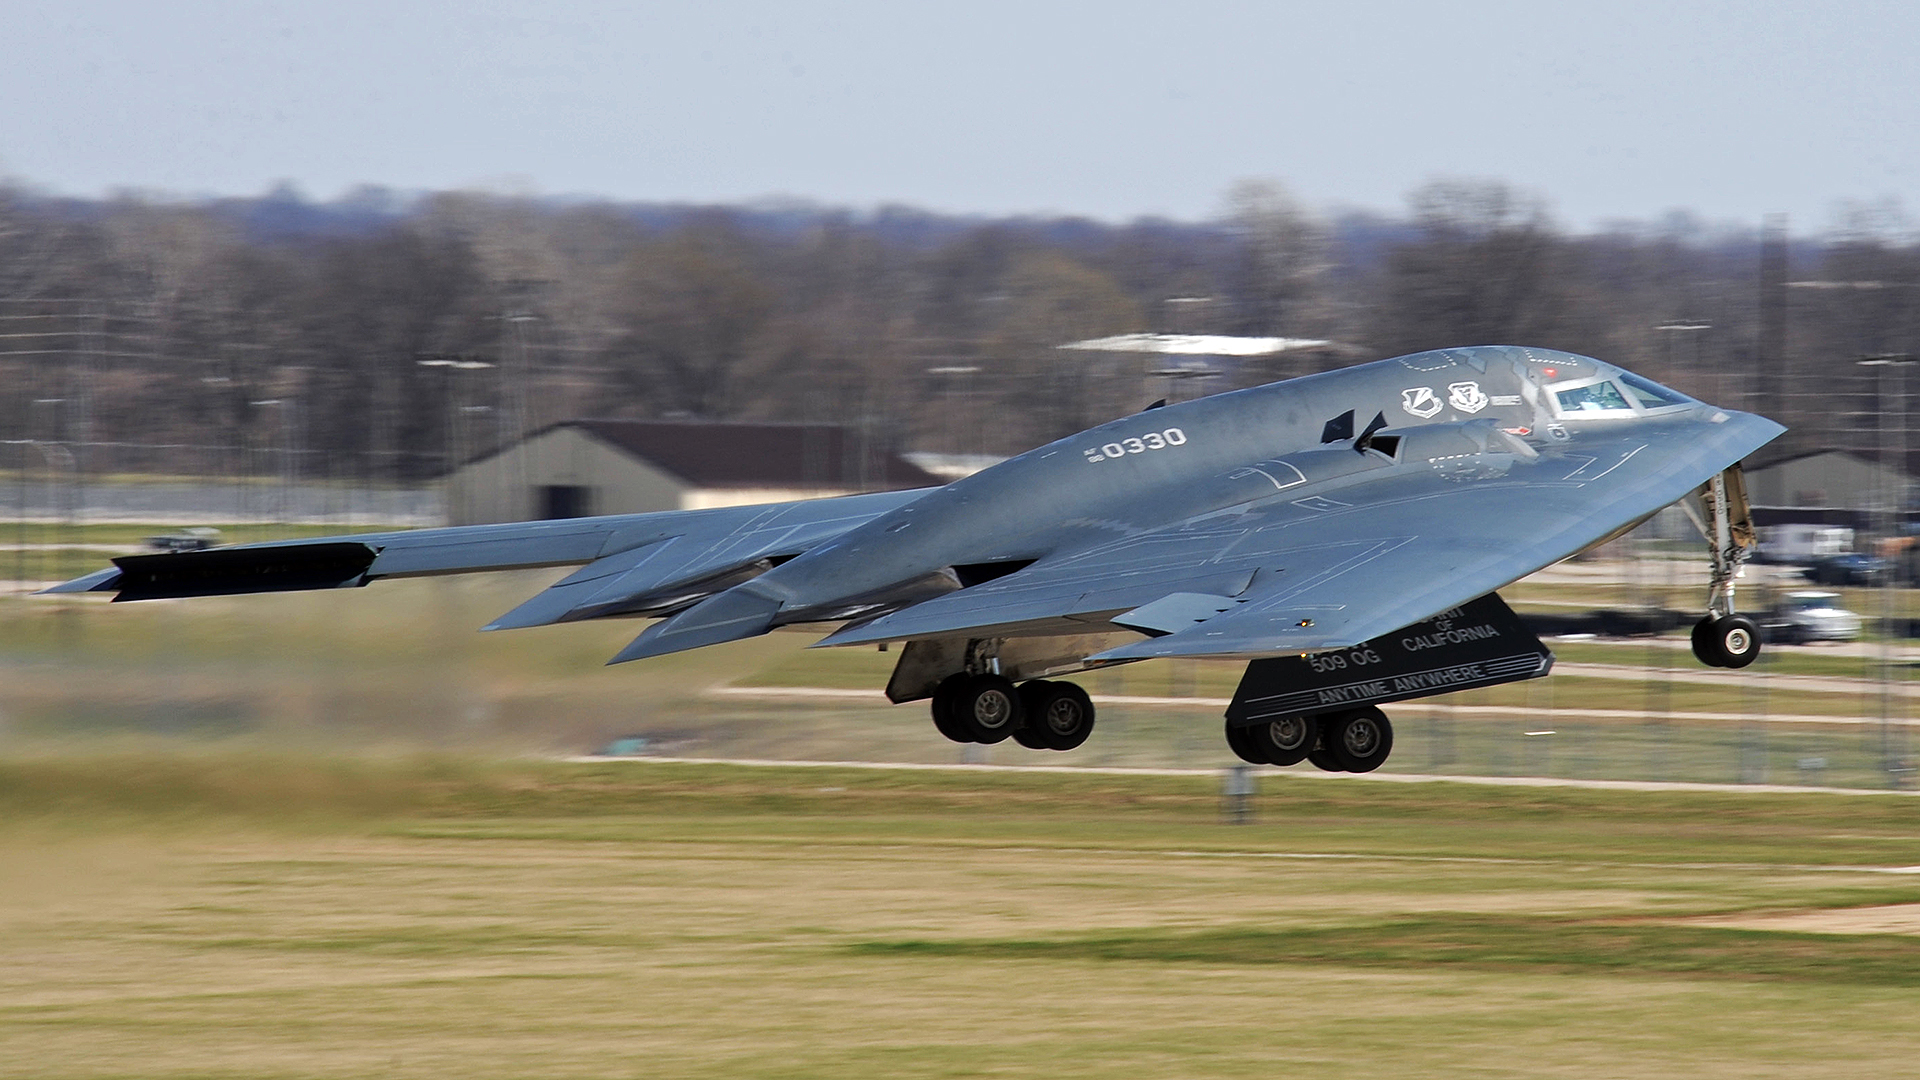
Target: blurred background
{"points": [[977, 249]]}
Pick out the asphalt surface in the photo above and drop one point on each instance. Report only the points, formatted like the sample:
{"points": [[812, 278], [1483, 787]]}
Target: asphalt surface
{"points": [[875, 697], [1303, 775]]}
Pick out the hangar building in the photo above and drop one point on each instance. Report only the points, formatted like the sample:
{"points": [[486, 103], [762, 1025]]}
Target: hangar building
{"points": [[578, 468], [1821, 487]]}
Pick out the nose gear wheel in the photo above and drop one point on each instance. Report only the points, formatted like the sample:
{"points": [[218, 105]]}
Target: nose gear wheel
{"points": [[1728, 641]]}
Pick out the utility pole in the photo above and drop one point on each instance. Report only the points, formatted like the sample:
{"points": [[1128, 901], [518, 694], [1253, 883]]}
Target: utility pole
{"points": [[1893, 760], [1770, 353]]}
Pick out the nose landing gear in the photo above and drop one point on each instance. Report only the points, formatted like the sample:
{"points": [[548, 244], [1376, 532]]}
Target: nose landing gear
{"points": [[1728, 641], [1724, 638]]}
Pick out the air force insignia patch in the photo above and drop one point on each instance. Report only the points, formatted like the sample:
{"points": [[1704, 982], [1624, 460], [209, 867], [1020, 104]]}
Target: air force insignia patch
{"points": [[1466, 397], [1420, 401]]}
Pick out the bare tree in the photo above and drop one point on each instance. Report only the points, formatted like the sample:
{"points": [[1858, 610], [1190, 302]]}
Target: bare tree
{"points": [[690, 322], [1484, 268], [1282, 258]]}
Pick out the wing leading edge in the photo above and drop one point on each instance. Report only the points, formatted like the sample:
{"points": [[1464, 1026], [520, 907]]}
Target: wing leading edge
{"points": [[634, 564]]}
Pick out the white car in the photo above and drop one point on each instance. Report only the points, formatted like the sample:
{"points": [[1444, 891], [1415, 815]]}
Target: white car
{"points": [[1812, 616]]}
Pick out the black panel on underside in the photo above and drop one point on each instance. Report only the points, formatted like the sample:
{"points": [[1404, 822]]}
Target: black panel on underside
{"points": [[1479, 643], [223, 571]]}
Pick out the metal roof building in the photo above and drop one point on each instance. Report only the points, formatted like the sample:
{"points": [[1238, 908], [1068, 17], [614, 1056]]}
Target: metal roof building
{"points": [[1822, 487], [578, 468]]}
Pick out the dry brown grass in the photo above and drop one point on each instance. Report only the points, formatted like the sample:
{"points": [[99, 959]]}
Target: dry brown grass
{"points": [[504, 920]]}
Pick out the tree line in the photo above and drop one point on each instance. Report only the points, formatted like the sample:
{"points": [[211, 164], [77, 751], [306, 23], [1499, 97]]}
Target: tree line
{"points": [[382, 336]]}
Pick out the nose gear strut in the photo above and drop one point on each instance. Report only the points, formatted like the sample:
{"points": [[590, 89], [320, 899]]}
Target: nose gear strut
{"points": [[1725, 638]]}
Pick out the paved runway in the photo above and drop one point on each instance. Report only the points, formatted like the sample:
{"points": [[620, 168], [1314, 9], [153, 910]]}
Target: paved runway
{"points": [[1289, 775], [875, 697]]}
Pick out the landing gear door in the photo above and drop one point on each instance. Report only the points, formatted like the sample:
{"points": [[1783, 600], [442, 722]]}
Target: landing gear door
{"points": [[1480, 643], [1739, 511]]}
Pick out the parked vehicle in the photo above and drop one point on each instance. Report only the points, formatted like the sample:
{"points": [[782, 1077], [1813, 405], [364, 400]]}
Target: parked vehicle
{"points": [[1803, 543], [1852, 568], [194, 538], [1801, 617]]}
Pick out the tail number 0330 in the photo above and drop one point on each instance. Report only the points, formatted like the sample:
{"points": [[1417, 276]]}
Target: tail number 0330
{"points": [[1152, 440]]}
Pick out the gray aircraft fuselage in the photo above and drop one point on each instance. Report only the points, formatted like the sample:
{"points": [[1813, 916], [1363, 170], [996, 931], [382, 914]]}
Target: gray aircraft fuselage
{"points": [[1170, 463]]}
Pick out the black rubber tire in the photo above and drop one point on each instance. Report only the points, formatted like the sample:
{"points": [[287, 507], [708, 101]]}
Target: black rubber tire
{"points": [[1242, 745], [1059, 716], [1286, 741], [1322, 758], [988, 708], [1737, 640], [1703, 649], [944, 709], [1032, 695], [1359, 740]]}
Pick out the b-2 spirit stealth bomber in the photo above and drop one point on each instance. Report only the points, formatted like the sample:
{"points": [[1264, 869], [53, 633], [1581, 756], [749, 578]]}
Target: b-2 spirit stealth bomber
{"points": [[1345, 532]]}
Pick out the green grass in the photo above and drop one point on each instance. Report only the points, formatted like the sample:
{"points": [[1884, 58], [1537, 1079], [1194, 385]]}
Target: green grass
{"points": [[398, 667], [866, 668], [1779, 660], [487, 798], [1562, 597], [60, 552], [1482, 943], [176, 915]]}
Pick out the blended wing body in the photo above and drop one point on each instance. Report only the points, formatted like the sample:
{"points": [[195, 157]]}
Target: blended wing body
{"points": [[1271, 521], [1332, 565]]}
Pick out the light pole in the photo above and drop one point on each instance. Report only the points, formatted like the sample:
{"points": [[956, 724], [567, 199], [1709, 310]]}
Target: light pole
{"points": [[1848, 294], [279, 405], [1892, 752], [455, 422], [53, 454], [518, 418]]}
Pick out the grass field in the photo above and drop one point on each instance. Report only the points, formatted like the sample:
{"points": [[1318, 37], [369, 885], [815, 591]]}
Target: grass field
{"points": [[398, 665], [218, 914], [46, 551]]}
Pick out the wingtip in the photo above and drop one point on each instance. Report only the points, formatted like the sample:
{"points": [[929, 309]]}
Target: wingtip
{"points": [[98, 581]]}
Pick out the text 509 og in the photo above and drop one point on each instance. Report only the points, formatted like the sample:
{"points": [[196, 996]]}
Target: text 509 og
{"points": [[1334, 661]]}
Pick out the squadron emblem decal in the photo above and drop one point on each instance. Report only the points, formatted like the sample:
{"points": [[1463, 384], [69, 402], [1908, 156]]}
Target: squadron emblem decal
{"points": [[1420, 401], [1466, 397]]}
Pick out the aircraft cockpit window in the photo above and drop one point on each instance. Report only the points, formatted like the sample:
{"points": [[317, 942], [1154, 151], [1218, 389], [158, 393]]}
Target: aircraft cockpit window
{"points": [[1600, 397], [1652, 395]]}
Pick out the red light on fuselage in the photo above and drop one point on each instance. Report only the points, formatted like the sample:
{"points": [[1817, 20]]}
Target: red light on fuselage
{"points": [[1552, 371]]}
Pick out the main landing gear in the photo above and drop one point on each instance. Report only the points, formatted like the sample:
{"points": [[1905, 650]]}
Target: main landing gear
{"points": [[1039, 715], [1357, 740], [1726, 639]]}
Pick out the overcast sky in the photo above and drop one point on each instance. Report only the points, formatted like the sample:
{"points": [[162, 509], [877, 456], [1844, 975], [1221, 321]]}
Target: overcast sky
{"points": [[1622, 109]]}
